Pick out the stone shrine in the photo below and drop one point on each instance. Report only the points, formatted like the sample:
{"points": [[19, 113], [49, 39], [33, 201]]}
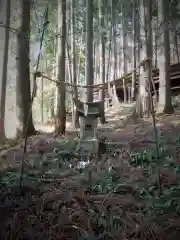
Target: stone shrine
{"points": [[88, 114]]}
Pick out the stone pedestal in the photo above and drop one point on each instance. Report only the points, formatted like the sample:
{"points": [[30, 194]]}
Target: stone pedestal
{"points": [[88, 116], [88, 142]]}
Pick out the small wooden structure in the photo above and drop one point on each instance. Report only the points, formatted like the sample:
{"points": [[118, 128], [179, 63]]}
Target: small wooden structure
{"points": [[88, 114]]}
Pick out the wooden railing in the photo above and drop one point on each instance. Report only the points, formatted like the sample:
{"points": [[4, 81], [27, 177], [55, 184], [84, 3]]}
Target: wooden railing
{"points": [[174, 74], [175, 81]]}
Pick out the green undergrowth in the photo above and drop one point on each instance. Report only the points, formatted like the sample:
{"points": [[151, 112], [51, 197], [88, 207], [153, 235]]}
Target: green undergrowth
{"points": [[164, 198], [41, 166], [106, 220], [8, 143]]}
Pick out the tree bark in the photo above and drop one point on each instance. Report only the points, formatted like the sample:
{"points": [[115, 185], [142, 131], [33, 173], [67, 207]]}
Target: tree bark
{"points": [[134, 53], [124, 41], [102, 55], [143, 103], [108, 66], [4, 71], [156, 43], [165, 103], [74, 75], [42, 99], [60, 120], [89, 49], [176, 45], [149, 51], [23, 90], [114, 55], [138, 39], [52, 97]]}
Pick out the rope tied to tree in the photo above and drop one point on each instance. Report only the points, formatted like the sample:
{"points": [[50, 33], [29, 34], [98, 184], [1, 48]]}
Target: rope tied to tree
{"points": [[97, 86]]}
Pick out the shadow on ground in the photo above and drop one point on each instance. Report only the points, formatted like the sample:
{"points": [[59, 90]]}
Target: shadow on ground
{"points": [[114, 196]]}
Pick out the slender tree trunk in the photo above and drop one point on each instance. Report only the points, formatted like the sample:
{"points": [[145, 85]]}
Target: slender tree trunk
{"points": [[176, 45], [95, 62], [102, 54], [89, 49], [165, 104], [23, 91], [80, 52], [156, 43], [134, 53], [60, 120], [138, 37], [74, 75], [149, 48], [108, 69], [42, 99], [52, 113], [4, 71], [143, 106], [124, 36], [142, 81], [174, 24], [114, 55]]}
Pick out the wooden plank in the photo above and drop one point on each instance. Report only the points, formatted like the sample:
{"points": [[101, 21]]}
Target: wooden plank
{"points": [[172, 78], [174, 69]]}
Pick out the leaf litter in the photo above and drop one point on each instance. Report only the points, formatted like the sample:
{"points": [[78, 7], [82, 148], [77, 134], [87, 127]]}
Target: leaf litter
{"points": [[116, 196]]}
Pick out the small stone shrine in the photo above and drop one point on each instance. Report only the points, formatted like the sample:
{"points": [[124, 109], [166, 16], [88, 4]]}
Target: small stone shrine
{"points": [[88, 114]]}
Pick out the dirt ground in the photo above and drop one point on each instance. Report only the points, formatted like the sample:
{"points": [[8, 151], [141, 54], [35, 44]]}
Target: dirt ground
{"points": [[125, 194]]}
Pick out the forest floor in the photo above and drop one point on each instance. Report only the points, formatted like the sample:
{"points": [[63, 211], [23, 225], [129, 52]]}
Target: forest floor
{"points": [[126, 194]]}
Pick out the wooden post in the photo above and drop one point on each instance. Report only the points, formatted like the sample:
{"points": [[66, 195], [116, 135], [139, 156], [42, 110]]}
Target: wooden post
{"points": [[125, 93], [42, 99], [129, 95]]}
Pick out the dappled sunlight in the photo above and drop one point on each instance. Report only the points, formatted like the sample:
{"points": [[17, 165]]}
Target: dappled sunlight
{"points": [[10, 124], [49, 128], [93, 162], [44, 128], [65, 177], [10, 114]]}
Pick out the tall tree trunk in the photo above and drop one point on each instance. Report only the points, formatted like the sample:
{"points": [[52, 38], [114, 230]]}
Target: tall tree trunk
{"points": [[124, 43], [149, 51], [134, 52], [4, 71], [143, 106], [89, 49], [114, 55], [23, 89], [42, 99], [96, 64], [156, 43], [165, 103], [52, 97], [60, 120], [102, 54], [108, 67], [174, 23], [74, 75], [138, 37], [176, 45]]}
